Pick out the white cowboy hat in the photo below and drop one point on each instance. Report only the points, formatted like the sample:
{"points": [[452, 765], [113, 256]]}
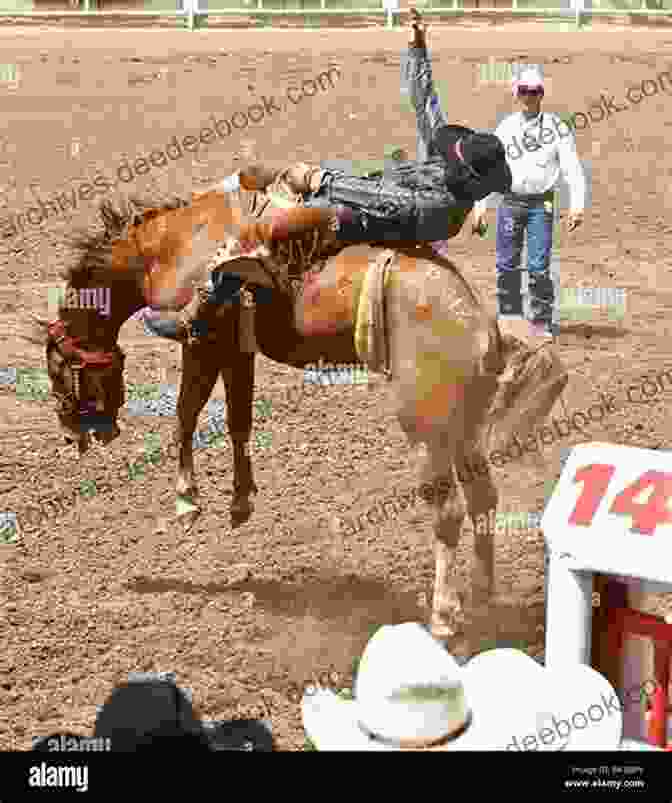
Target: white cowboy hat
{"points": [[411, 693]]}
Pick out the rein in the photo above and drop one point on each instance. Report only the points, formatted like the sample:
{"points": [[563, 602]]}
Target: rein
{"points": [[78, 360]]}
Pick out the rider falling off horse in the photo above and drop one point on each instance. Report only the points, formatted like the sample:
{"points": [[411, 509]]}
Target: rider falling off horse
{"points": [[414, 202]]}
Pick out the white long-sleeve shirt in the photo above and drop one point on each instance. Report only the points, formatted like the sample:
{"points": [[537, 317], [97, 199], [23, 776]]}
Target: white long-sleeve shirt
{"points": [[538, 151]]}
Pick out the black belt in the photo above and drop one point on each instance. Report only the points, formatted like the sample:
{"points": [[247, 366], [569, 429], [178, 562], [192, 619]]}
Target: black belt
{"points": [[543, 196]]}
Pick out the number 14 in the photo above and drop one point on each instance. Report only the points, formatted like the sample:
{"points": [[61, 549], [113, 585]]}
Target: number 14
{"points": [[646, 516]]}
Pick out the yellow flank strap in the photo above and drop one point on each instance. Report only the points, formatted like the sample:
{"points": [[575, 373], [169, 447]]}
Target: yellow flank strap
{"points": [[364, 308], [362, 325]]}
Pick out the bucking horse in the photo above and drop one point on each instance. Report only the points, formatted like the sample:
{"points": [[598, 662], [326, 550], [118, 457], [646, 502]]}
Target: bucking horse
{"points": [[406, 311]]}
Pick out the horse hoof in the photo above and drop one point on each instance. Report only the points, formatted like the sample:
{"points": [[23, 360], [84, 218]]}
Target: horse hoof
{"points": [[187, 511], [241, 510], [446, 627], [188, 520]]}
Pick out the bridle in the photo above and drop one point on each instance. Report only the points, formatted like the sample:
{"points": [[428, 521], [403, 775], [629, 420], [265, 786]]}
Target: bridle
{"points": [[78, 360]]}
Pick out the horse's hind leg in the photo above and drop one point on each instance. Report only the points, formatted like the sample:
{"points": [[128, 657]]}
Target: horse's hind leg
{"points": [[199, 374], [438, 484], [481, 497], [238, 377]]}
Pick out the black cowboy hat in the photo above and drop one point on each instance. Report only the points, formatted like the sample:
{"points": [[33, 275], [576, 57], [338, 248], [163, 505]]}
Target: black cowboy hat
{"points": [[481, 154]]}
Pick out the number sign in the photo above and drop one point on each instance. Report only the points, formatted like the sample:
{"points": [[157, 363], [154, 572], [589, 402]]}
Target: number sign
{"points": [[612, 511]]}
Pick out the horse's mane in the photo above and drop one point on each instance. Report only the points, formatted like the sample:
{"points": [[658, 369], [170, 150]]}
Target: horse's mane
{"points": [[91, 250]]}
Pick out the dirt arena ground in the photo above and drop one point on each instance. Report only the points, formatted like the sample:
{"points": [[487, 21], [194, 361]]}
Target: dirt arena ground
{"points": [[112, 584]]}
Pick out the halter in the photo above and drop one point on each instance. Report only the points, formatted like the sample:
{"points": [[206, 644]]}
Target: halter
{"points": [[78, 360]]}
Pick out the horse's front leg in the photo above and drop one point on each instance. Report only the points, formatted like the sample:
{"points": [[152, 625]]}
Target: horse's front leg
{"points": [[199, 374], [238, 378]]}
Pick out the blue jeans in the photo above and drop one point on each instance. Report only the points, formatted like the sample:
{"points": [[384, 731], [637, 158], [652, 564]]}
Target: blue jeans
{"points": [[514, 217]]}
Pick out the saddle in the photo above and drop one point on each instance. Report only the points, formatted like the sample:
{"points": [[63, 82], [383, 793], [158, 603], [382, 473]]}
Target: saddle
{"points": [[305, 242]]}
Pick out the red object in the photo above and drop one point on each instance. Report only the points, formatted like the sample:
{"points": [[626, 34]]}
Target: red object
{"points": [[622, 622], [280, 226], [646, 516], [71, 349]]}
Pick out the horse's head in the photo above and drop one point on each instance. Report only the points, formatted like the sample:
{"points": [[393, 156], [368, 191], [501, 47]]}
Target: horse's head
{"points": [[87, 382], [84, 362]]}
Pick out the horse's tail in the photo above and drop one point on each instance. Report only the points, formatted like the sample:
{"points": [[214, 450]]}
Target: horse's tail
{"points": [[530, 380]]}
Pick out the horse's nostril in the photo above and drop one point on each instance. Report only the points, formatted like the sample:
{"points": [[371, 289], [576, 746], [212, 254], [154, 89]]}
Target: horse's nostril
{"points": [[69, 441]]}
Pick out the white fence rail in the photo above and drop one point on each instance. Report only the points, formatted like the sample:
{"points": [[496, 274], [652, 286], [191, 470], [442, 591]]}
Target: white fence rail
{"points": [[390, 9]]}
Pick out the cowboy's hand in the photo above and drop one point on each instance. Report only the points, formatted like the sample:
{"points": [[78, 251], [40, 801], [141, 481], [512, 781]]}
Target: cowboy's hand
{"points": [[479, 225], [575, 220], [418, 29]]}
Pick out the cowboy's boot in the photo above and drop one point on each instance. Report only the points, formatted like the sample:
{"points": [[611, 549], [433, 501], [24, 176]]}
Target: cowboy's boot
{"points": [[286, 225], [301, 179], [418, 29]]}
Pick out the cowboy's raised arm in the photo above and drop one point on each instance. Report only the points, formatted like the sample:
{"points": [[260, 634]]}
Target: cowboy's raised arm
{"points": [[418, 84]]}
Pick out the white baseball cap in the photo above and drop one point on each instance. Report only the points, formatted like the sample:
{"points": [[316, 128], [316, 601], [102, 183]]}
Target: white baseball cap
{"points": [[531, 78], [411, 693]]}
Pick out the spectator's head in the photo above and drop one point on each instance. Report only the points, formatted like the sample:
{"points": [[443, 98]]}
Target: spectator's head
{"points": [[150, 715], [528, 89], [482, 156]]}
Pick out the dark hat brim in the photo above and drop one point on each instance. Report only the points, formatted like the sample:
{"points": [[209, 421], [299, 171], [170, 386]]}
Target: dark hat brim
{"points": [[497, 179]]}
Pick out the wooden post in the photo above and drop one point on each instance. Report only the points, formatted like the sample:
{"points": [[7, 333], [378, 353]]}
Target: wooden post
{"points": [[662, 658], [604, 659]]}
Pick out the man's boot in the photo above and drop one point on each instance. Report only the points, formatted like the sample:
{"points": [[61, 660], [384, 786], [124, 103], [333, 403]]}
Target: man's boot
{"points": [[300, 179], [418, 30], [285, 226], [542, 297]]}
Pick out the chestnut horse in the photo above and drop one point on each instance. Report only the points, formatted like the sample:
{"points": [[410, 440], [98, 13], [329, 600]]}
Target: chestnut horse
{"points": [[456, 379]]}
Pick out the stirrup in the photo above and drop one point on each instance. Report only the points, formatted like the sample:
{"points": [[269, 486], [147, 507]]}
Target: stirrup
{"points": [[190, 314]]}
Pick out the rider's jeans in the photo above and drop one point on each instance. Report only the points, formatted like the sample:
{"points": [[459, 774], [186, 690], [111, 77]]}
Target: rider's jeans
{"points": [[515, 215]]}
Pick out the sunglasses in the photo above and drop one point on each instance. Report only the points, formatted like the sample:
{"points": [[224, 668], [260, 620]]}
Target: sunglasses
{"points": [[525, 91]]}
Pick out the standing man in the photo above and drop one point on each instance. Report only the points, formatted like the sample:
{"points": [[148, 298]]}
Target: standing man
{"points": [[537, 151]]}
